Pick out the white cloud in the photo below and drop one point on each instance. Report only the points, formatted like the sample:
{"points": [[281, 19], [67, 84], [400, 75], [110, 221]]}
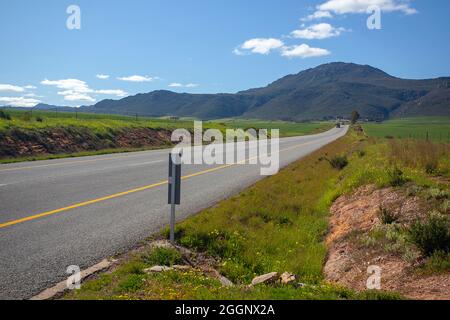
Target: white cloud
{"points": [[318, 31], [76, 96], [238, 52], [137, 78], [30, 87], [19, 101], [102, 76], [180, 85], [113, 92], [74, 89], [11, 88], [303, 51], [78, 90], [33, 95], [259, 45], [73, 85], [318, 15], [361, 6]]}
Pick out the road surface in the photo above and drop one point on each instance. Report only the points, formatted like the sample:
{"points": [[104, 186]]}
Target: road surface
{"points": [[77, 211]]}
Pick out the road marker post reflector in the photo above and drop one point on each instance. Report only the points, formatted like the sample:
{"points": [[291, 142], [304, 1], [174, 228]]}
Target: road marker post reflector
{"points": [[174, 192]]}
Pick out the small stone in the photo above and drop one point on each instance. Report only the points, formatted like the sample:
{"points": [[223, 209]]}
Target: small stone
{"points": [[288, 278], [226, 282], [265, 278], [180, 267], [158, 269]]}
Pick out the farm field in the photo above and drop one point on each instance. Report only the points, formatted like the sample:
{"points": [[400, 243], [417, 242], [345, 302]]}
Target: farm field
{"points": [[38, 119], [437, 128], [287, 129], [38, 135]]}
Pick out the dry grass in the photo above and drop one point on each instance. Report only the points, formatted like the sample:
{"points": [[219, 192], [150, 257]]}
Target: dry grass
{"points": [[419, 154]]}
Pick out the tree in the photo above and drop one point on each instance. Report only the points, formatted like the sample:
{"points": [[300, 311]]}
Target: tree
{"points": [[355, 116]]}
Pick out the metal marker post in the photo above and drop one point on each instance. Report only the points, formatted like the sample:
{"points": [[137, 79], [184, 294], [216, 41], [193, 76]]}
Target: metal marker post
{"points": [[174, 190], [172, 208]]}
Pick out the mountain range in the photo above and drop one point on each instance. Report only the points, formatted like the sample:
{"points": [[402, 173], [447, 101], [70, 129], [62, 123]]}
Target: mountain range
{"points": [[327, 91]]}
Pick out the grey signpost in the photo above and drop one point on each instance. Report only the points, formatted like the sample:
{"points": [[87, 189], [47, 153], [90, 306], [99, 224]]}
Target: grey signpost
{"points": [[174, 189]]}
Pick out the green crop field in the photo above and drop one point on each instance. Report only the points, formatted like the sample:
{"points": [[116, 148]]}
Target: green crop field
{"points": [[30, 120], [38, 119], [100, 132], [287, 129], [436, 128]]}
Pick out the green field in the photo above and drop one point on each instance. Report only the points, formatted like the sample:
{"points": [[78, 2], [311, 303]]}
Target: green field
{"points": [[100, 132], [28, 120], [436, 128], [287, 129]]}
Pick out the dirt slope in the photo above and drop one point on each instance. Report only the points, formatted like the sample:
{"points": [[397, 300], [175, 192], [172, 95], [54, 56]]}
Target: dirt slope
{"points": [[351, 251]]}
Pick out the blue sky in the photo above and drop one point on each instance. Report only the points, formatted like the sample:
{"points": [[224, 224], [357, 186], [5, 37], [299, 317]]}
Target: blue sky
{"points": [[205, 46]]}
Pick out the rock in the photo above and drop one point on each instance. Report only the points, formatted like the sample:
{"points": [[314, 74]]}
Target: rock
{"points": [[288, 278], [158, 269], [162, 244], [226, 282], [180, 267], [265, 278]]}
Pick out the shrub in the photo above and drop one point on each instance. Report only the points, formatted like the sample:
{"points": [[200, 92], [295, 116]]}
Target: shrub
{"points": [[431, 235], [217, 243], [361, 153], [445, 206], [4, 115], [413, 190], [438, 262], [131, 283], [396, 178], [39, 119], [431, 167], [436, 193], [163, 257], [386, 216], [339, 162], [26, 116]]}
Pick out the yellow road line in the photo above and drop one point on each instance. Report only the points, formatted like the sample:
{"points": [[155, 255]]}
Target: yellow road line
{"points": [[86, 203]]}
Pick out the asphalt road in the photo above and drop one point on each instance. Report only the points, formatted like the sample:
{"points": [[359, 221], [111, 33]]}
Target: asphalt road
{"points": [[77, 211]]}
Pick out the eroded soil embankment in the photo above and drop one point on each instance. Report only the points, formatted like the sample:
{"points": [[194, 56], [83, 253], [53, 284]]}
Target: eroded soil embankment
{"points": [[358, 239], [22, 143]]}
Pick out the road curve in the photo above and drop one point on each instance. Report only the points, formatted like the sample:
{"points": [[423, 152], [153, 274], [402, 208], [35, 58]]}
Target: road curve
{"points": [[57, 213]]}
